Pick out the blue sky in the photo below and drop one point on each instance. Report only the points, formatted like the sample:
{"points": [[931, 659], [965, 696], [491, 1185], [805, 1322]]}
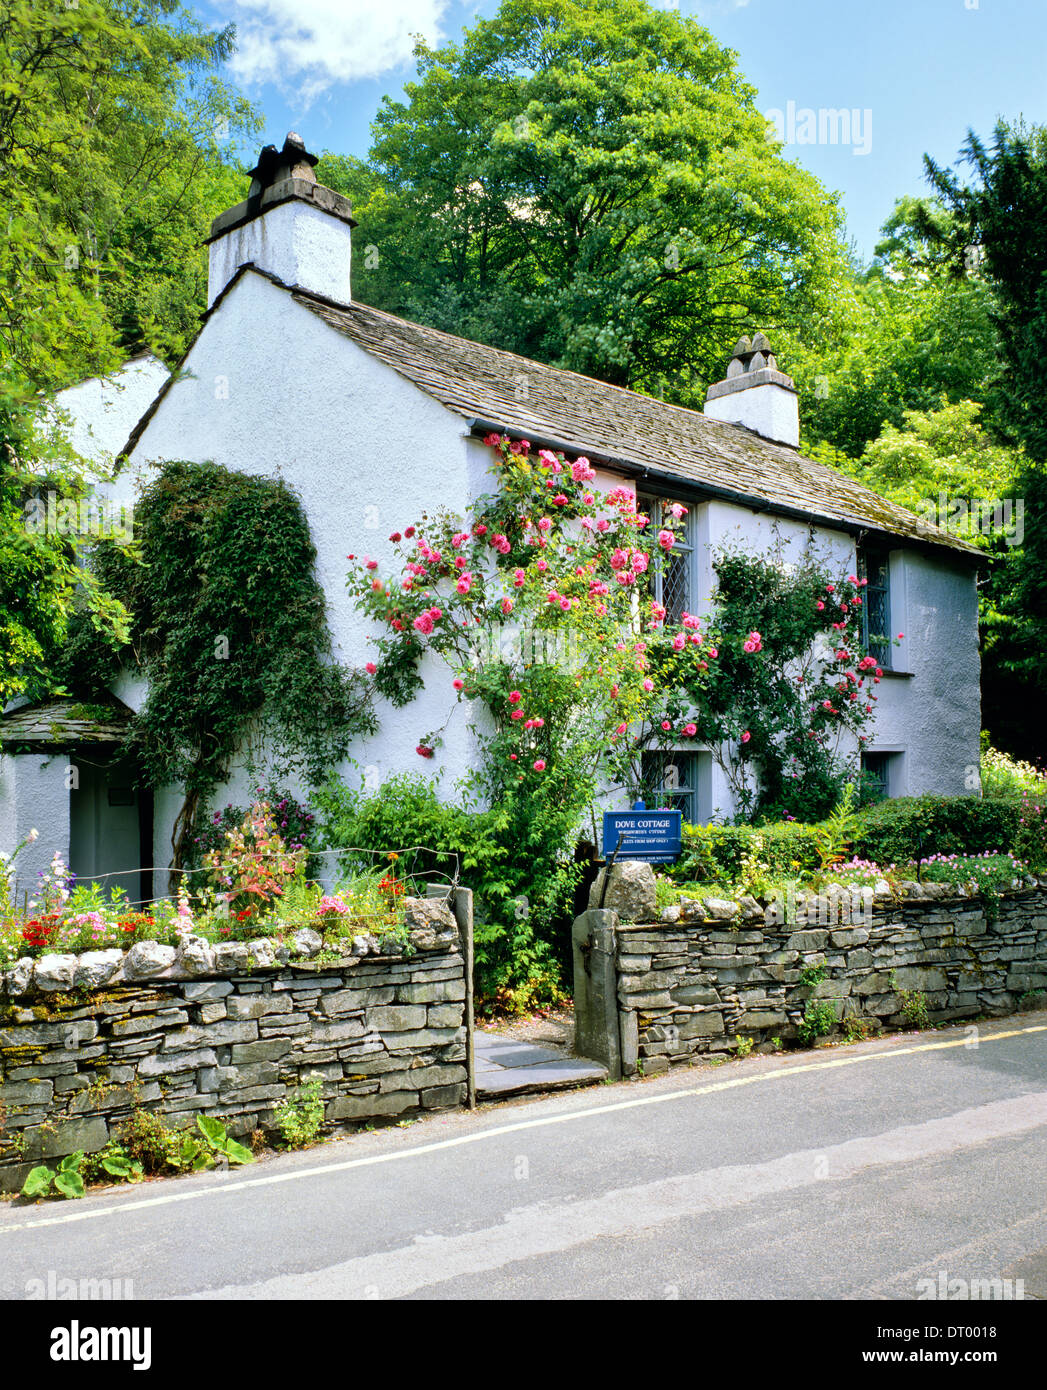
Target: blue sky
{"points": [[926, 70]]}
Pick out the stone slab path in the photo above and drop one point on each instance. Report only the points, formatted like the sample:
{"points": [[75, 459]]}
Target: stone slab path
{"points": [[507, 1067]]}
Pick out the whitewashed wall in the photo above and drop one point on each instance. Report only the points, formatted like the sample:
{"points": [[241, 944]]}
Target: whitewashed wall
{"points": [[366, 452], [98, 415], [34, 796]]}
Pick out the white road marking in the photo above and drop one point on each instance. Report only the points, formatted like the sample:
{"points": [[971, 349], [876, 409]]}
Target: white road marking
{"points": [[233, 1185], [550, 1227]]}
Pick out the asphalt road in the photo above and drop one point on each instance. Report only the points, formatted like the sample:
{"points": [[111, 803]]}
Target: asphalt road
{"points": [[844, 1173]]}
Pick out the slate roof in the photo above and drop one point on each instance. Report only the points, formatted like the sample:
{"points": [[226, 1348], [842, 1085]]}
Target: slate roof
{"points": [[623, 428], [53, 724]]}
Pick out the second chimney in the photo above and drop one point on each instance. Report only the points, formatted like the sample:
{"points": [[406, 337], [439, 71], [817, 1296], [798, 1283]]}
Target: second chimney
{"points": [[290, 226], [756, 394]]}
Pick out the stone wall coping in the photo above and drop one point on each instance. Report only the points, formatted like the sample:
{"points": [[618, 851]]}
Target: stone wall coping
{"points": [[923, 895], [196, 958]]}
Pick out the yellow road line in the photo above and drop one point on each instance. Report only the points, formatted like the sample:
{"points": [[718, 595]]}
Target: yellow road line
{"points": [[240, 1185]]}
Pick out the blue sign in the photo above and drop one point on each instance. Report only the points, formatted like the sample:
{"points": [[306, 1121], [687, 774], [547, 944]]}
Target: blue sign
{"points": [[655, 836]]}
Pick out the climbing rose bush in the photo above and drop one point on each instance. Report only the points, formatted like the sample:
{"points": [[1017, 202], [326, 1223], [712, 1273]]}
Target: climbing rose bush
{"points": [[540, 605]]}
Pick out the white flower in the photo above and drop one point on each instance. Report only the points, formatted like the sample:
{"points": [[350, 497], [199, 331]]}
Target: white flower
{"points": [[33, 835]]}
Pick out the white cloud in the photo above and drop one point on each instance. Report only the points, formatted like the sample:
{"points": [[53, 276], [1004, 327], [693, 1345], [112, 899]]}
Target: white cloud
{"points": [[307, 46]]}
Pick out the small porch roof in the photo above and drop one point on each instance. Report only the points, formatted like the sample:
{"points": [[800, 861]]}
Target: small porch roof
{"points": [[50, 725]]}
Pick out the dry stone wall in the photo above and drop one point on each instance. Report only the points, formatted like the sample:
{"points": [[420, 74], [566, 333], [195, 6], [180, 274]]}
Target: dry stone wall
{"points": [[649, 995], [226, 1037]]}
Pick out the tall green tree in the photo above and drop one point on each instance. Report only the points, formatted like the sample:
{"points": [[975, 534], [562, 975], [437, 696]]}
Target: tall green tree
{"points": [[590, 183], [903, 334], [999, 221], [116, 134]]}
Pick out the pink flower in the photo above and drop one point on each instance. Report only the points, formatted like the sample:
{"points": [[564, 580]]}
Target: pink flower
{"points": [[677, 510], [560, 500], [545, 523], [423, 751], [588, 499], [690, 730], [541, 565], [830, 588], [666, 725], [746, 736], [648, 685], [423, 624], [518, 578], [819, 605], [371, 564], [714, 652], [639, 562], [435, 613], [666, 540], [679, 642], [370, 668], [539, 765], [507, 606], [515, 697], [458, 683], [603, 524], [464, 584], [565, 604], [517, 714], [479, 529]]}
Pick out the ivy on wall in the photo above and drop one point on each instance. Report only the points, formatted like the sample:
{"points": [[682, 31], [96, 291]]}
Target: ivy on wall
{"points": [[229, 629]]}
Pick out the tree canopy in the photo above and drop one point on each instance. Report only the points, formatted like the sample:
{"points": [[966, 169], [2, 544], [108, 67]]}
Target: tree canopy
{"points": [[590, 183]]}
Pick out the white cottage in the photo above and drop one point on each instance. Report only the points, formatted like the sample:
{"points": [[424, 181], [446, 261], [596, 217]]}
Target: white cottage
{"points": [[372, 419]]}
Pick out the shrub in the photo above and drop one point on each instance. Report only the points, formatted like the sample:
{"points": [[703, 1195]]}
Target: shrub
{"points": [[716, 853], [1005, 776], [513, 856], [909, 828]]}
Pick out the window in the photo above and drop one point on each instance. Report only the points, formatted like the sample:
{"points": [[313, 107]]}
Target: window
{"points": [[670, 783], [670, 575], [874, 565], [876, 776]]}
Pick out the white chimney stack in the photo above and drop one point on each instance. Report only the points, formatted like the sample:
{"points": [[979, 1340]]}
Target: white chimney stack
{"points": [[756, 394], [290, 226]]}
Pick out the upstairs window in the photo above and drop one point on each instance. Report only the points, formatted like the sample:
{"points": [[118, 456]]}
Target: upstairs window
{"points": [[874, 565], [670, 574]]}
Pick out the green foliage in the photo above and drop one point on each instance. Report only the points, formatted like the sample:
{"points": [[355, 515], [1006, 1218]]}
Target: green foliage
{"points": [[899, 340], [112, 168], [1001, 217], [834, 835], [112, 1161], [512, 856], [591, 183], [819, 1019], [779, 719], [1005, 776], [230, 630], [904, 829], [914, 1005], [65, 1180], [715, 853], [46, 578], [300, 1115], [986, 875], [812, 975], [743, 1047]]}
